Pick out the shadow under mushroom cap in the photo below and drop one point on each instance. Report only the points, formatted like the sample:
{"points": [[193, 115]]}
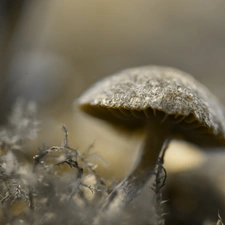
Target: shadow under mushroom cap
{"points": [[131, 96]]}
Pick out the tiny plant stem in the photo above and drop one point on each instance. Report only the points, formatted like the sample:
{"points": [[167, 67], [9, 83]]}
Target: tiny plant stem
{"points": [[158, 184], [127, 189]]}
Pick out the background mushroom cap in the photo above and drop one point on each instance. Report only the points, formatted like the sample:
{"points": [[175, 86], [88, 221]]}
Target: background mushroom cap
{"points": [[148, 91]]}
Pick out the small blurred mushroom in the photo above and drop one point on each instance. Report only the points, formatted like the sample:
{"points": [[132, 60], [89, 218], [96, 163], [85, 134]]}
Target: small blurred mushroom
{"points": [[169, 103]]}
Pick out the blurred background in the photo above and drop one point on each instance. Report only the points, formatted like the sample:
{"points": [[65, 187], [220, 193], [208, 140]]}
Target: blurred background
{"points": [[52, 51]]}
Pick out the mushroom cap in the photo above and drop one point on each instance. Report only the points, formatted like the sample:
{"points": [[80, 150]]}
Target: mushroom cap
{"points": [[133, 95]]}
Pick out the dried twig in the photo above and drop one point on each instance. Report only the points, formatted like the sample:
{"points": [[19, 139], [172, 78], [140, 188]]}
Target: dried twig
{"points": [[159, 183]]}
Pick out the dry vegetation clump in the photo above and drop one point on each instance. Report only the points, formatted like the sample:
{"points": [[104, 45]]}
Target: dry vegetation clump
{"points": [[60, 187]]}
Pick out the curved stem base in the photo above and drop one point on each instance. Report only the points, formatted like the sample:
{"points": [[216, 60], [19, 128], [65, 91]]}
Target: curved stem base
{"points": [[127, 189]]}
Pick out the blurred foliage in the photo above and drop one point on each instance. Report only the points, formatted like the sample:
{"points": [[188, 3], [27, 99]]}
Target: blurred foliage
{"points": [[61, 188]]}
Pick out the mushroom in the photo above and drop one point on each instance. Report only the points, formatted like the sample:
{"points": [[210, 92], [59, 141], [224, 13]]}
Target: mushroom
{"points": [[168, 103]]}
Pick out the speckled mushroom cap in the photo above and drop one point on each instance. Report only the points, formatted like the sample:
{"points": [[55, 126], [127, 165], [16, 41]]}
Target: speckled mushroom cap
{"points": [[131, 96]]}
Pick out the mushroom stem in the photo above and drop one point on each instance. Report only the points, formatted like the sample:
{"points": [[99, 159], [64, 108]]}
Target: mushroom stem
{"points": [[127, 189]]}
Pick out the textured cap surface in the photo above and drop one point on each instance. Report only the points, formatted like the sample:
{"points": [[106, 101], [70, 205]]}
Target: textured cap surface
{"points": [[162, 91]]}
